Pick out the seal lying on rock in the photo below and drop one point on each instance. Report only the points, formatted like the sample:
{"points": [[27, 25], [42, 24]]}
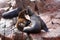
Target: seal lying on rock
{"points": [[12, 13], [37, 23]]}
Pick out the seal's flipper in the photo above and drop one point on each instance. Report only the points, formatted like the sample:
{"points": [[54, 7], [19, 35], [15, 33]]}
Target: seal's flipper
{"points": [[44, 26]]}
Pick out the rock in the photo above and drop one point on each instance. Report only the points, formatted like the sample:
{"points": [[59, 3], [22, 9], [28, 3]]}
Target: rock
{"points": [[53, 34]]}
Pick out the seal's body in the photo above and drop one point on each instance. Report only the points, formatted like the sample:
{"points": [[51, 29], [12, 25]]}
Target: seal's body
{"points": [[35, 27], [37, 23], [12, 13]]}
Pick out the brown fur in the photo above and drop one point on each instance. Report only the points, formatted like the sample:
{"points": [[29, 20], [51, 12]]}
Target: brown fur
{"points": [[21, 18]]}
